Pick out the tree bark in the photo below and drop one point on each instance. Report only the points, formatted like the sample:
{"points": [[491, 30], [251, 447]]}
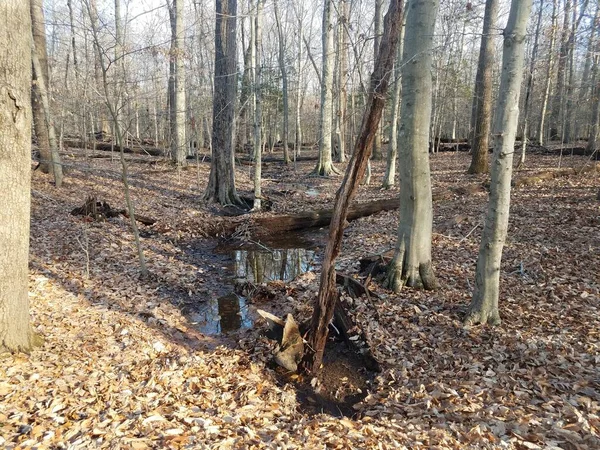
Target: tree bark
{"points": [[377, 29], [325, 164], [284, 84], [556, 118], [221, 184], [255, 42], [42, 117], [529, 85], [178, 116], [341, 76], [485, 69], [411, 265], [15, 174], [549, 71], [484, 305], [327, 297], [392, 154]]}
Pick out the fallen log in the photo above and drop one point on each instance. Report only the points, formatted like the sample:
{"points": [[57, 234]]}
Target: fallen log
{"points": [[107, 147], [551, 174], [267, 226]]}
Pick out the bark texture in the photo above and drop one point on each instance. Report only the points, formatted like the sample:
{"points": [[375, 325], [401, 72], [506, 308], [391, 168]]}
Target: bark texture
{"points": [[15, 157], [42, 118], [484, 305], [411, 265], [178, 135], [221, 184], [483, 90], [325, 164], [325, 305]]}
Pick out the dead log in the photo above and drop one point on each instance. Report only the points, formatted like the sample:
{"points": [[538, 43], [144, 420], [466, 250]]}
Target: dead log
{"points": [[107, 147], [267, 226], [552, 174]]}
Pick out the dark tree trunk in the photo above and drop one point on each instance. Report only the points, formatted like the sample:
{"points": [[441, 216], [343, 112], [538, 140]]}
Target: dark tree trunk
{"points": [[325, 305], [483, 101], [221, 184]]}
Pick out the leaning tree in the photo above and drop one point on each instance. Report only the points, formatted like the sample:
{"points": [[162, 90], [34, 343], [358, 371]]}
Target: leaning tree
{"points": [[411, 264]]}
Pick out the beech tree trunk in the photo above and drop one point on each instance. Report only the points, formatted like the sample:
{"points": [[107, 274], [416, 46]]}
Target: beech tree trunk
{"points": [[411, 265], [178, 106], [325, 164], [284, 83], [483, 90], [15, 174], [377, 29], [392, 153], [549, 70], [326, 300], [529, 85], [484, 305], [255, 42], [42, 117], [221, 184]]}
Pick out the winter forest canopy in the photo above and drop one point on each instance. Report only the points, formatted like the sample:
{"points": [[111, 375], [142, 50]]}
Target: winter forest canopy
{"points": [[286, 224]]}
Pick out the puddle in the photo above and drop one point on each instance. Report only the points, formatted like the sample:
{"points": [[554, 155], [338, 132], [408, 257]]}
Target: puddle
{"points": [[222, 315], [281, 258]]}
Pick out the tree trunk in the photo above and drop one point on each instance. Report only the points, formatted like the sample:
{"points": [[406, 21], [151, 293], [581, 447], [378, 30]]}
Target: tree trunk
{"points": [[377, 28], [325, 165], [411, 265], [298, 139], [586, 84], [556, 129], [549, 71], [284, 82], [341, 74], [484, 305], [327, 297], [178, 116], [42, 118], [16, 333], [255, 42], [485, 69], [392, 154], [529, 84], [221, 185], [595, 119]]}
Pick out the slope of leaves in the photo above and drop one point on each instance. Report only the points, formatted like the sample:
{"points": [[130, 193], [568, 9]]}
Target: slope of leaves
{"points": [[122, 366]]}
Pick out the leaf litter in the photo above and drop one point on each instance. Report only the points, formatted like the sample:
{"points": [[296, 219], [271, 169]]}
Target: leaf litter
{"points": [[123, 368]]}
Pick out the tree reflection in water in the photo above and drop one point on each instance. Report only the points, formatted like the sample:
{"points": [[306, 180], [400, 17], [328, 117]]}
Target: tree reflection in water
{"points": [[263, 266]]}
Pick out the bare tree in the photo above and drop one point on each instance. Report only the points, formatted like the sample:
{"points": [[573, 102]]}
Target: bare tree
{"points": [[324, 307], [483, 91], [484, 305], [549, 70], [284, 81], [43, 120], [177, 84], [255, 43], [221, 184], [529, 84], [16, 333], [411, 264], [325, 164]]}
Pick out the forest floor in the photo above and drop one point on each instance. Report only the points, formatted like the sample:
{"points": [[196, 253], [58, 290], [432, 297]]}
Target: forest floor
{"points": [[125, 365]]}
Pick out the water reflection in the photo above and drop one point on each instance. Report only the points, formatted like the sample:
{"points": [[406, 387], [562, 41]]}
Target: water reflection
{"points": [[264, 266], [223, 315]]}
